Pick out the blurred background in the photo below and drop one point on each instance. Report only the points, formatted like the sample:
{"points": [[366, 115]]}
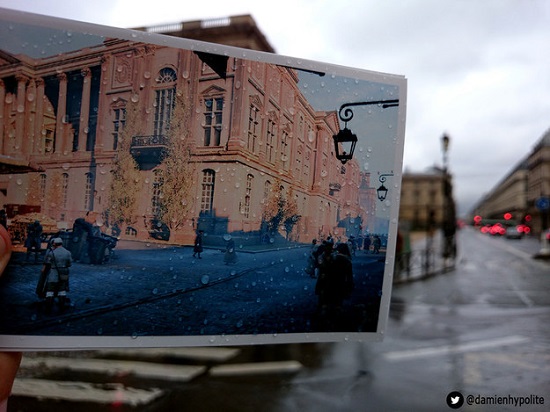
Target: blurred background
{"points": [[477, 156]]}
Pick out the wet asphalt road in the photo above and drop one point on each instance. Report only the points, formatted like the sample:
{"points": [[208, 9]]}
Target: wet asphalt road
{"points": [[481, 330]]}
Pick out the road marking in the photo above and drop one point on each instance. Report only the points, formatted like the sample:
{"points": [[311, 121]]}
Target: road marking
{"points": [[519, 253], [180, 373], [194, 354], [453, 349], [476, 363], [113, 394], [256, 368]]}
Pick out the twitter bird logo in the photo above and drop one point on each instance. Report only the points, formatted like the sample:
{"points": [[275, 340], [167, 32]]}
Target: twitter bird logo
{"points": [[455, 400]]}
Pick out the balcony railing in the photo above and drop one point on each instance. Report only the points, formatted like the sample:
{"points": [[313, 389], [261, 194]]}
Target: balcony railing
{"points": [[149, 151], [148, 141]]}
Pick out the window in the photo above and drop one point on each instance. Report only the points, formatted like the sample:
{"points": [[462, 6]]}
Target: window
{"points": [[207, 195], [247, 196], [158, 183], [88, 192], [118, 125], [298, 165], [42, 186], [271, 138], [283, 150], [252, 129], [267, 189], [64, 189], [213, 121], [165, 100]]}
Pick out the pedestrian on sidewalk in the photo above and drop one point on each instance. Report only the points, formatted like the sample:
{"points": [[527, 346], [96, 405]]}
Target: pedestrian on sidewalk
{"points": [[367, 243], [376, 244], [312, 265], [230, 256], [334, 285], [33, 243], [197, 248], [58, 260]]}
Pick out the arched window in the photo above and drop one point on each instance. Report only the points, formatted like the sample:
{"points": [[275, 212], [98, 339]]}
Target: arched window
{"points": [[267, 189], [207, 194], [164, 100]]}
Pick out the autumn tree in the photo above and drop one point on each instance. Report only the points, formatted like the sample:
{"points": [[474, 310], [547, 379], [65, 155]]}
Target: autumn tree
{"points": [[177, 170], [280, 210], [125, 182]]}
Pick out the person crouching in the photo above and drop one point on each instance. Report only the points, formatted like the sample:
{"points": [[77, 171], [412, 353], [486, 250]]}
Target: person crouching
{"points": [[57, 285]]}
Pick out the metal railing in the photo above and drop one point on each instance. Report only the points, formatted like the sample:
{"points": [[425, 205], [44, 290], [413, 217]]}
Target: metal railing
{"points": [[424, 259]]}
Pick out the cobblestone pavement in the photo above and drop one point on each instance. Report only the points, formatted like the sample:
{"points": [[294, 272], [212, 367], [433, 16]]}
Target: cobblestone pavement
{"points": [[155, 289]]}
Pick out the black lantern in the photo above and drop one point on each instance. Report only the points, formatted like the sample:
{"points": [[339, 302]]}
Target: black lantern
{"points": [[346, 140], [382, 192]]}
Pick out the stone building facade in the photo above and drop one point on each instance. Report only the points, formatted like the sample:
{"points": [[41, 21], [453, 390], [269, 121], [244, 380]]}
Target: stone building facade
{"points": [[521, 190], [422, 199], [248, 129]]}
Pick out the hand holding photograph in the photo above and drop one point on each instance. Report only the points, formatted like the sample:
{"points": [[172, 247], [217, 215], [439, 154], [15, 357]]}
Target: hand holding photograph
{"points": [[160, 191]]}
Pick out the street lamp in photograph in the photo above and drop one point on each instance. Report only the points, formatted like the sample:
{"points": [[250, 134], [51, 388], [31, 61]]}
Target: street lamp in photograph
{"points": [[345, 140], [449, 212], [382, 191]]}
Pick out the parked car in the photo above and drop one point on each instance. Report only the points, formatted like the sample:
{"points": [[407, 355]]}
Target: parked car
{"points": [[514, 232]]}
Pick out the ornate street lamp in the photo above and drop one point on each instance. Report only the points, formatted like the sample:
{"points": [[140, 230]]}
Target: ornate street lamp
{"points": [[345, 138], [382, 191], [347, 141]]}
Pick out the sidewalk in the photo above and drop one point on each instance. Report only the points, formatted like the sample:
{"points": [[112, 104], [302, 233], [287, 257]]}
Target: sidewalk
{"points": [[424, 260]]}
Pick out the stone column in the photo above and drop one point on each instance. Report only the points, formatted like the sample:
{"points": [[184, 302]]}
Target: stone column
{"points": [[84, 109], [20, 112], [102, 122], [39, 137], [61, 112]]}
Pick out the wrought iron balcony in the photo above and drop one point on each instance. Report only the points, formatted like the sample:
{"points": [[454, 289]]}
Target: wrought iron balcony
{"points": [[149, 151]]}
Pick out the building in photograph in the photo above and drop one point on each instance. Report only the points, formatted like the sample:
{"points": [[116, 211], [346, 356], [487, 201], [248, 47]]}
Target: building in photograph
{"points": [[159, 142]]}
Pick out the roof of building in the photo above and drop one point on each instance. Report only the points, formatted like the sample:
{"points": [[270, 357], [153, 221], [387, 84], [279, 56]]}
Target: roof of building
{"points": [[238, 31]]}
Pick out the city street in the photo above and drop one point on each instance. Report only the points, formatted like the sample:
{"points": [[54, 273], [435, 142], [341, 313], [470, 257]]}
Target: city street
{"points": [[159, 290], [481, 329]]}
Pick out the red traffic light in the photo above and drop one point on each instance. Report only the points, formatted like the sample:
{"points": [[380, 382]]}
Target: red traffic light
{"points": [[477, 219], [507, 216]]}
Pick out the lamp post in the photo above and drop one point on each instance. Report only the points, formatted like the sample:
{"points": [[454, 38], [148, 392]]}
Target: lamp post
{"points": [[382, 191], [345, 138], [449, 213]]}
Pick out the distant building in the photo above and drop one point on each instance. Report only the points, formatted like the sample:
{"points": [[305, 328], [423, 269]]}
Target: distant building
{"points": [[520, 190], [422, 199], [248, 132], [237, 31]]}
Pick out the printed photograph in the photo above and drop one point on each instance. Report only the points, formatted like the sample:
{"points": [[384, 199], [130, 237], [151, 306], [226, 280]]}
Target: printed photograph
{"points": [[157, 189]]}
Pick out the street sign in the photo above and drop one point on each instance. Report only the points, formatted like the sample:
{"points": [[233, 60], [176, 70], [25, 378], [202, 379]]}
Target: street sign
{"points": [[193, 178], [542, 203]]}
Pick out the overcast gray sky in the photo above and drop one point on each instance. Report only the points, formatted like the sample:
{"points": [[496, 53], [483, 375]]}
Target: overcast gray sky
{"points": [[477, 70]]}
